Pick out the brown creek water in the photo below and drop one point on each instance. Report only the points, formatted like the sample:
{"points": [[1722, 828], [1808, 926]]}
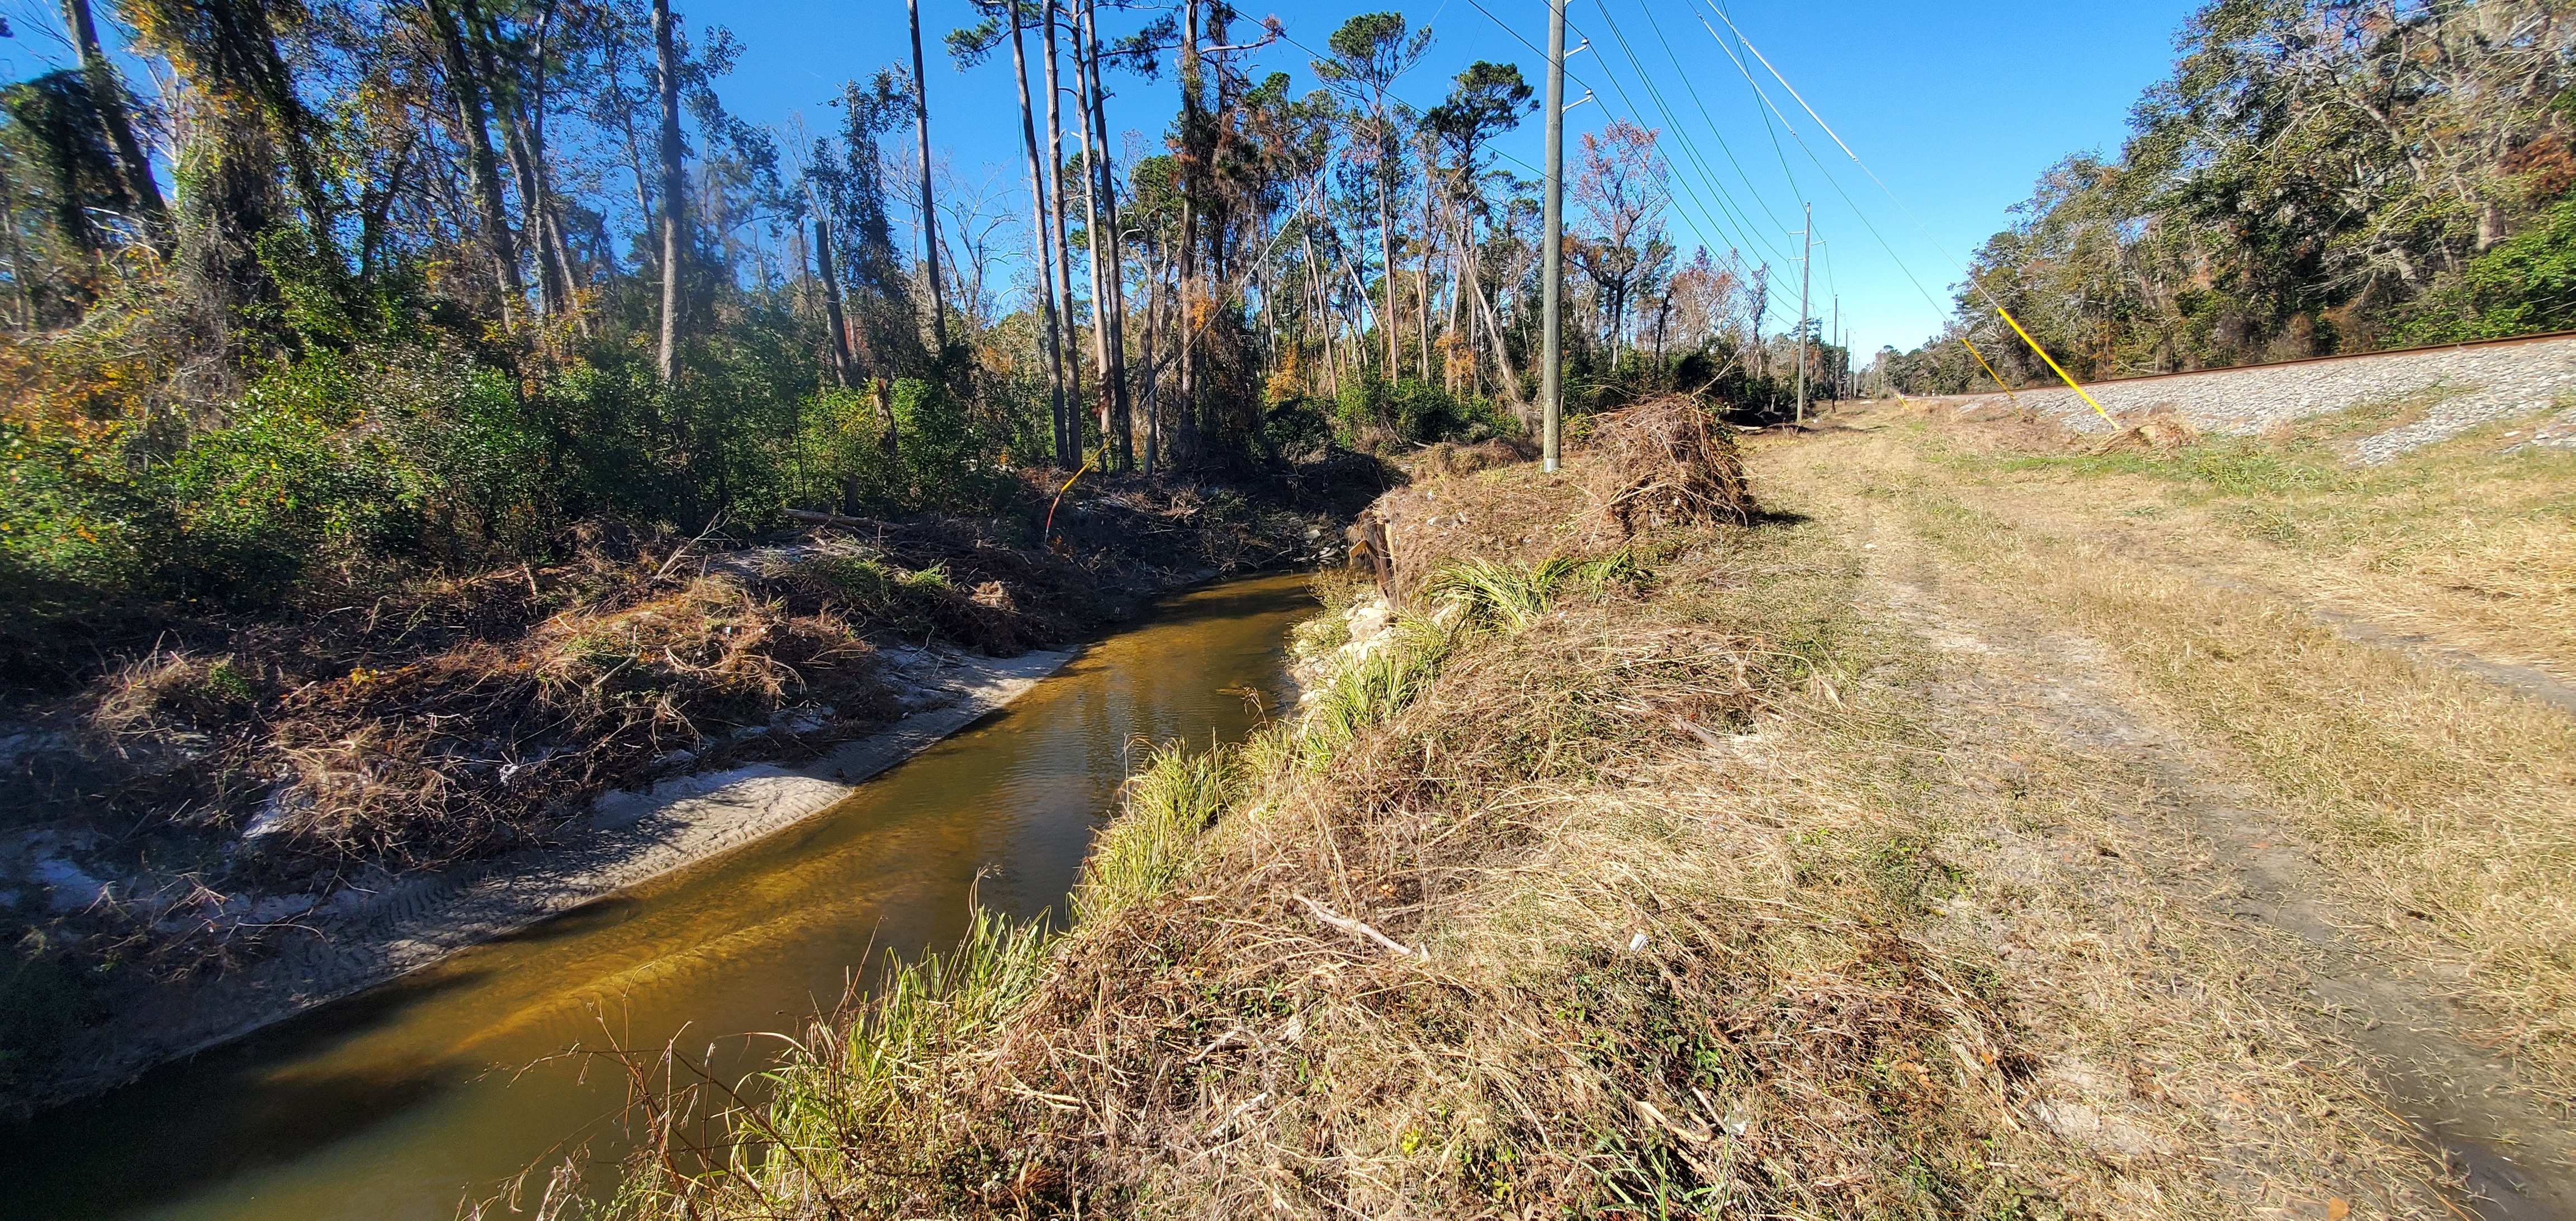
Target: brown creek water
{"points": [[411, 1100]]}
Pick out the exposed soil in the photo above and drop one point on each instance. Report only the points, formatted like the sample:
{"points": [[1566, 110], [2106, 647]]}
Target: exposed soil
{"points": [[2412, 1004], [2206, 844], [1827, 864], [223, 805]]}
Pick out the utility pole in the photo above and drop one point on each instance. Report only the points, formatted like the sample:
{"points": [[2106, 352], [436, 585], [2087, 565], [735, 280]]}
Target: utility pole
{"points": [[1845, 366], [1806, 280], [1552, 372]]}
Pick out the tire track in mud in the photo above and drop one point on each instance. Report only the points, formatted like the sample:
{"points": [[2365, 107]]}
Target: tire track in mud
{"points": [[2512, 1160]]}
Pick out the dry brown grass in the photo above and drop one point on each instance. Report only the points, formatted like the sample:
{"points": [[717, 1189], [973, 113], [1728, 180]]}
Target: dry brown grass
{"points": [[2467, 546], [1689, 898], [484, 746], [1663, 464], [1451, 459], [458, 717], [2445, 807], [1667, 462]]}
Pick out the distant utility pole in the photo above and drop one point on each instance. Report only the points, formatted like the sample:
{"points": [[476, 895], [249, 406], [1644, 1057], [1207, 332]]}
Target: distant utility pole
{"points": [[1845, 366], [1806, 280], [1552, 370]]}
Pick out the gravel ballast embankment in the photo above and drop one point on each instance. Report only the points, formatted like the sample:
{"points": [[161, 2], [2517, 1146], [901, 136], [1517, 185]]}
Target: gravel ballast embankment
{"points": [[2467, 386]]}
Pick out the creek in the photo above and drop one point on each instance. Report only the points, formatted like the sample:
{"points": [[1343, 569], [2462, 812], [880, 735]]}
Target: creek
{"points": [[419, 1097]]}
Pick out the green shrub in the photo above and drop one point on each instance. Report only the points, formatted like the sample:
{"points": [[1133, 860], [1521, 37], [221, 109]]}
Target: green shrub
{"points": [[240, 510], [942, 451], [841, 450], [620, 449], [1414, 413], [1296, 428], [474, 451], [67, 510], [2524, 286]]}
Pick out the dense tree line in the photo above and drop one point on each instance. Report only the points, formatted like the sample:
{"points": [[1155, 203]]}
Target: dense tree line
{"points": [[431, 279], [2317, 176]]}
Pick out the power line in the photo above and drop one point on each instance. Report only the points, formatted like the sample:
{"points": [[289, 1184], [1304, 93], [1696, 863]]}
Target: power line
{"points": [[1680, 136], [1536, 49], [1692, 87], [1937, 246], [1766, 111], [1830, 180], [1636, 110]]}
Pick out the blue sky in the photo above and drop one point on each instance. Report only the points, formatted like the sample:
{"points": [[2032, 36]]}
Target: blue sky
{"points": [[1958, 110]]}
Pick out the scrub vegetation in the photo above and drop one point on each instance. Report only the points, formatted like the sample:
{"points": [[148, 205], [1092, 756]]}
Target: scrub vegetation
{"points": [[418, 417], [2315, 177], [1708, 867]]}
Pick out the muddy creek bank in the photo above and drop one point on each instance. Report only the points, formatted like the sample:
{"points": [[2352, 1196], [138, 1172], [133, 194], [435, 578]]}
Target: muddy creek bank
{"points": [[404, 1101]]}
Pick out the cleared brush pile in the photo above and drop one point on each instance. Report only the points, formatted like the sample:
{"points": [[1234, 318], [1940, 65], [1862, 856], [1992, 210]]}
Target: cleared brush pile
{"points": [[1667, 462], [1659, 466], [484, 747], [160, 817]]}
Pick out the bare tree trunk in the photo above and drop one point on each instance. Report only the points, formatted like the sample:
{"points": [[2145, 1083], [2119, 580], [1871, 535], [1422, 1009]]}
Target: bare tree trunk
{"points": [[523, 163], [1039, 246], [549, 210], [1494, 329], [1316, 310], [1185, 412], [832, 313], [109, 93], [1265, 281], [675, 188], [1094, 231], [1422, 300], [1153, 411], [1386, 258], [1063, 245], [1449, 326], [576, 274], [523, 118], [1112, 309], [17, 252], [887, 440], [929, 209], [484, 166]]}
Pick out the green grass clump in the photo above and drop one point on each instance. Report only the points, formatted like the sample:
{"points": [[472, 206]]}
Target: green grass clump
{"points": [[1507, 595], [902, 599], [1170, 804], [1514, 596], [2228, 467], [1367, 691], [855, 1077]]}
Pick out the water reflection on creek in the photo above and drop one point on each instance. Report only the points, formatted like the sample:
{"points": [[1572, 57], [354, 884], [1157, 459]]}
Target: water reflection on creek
{"points": [[403, 1102]]}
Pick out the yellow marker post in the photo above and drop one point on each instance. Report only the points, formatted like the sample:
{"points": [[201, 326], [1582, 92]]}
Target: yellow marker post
{"points": [[2052, 365]]}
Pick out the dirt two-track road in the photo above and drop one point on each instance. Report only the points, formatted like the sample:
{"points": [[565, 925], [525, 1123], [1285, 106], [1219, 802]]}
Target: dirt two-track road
{"points": [[2260, 711]]}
